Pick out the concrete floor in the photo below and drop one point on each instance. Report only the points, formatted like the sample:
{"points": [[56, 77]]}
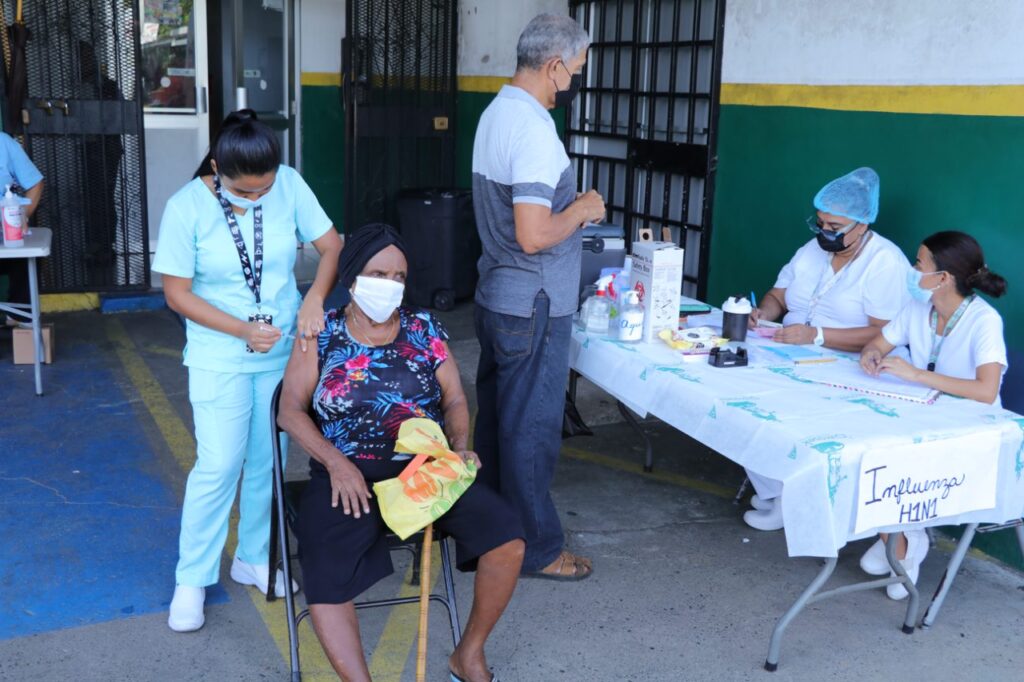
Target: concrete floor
{"points": [[91, 478]]}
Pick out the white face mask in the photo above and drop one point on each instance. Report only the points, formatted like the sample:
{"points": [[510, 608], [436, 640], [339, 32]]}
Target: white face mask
{"points": [[377, 297]]}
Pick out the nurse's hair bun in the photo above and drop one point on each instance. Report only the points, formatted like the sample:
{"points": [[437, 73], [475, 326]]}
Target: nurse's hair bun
{"points": [[987, 282]]}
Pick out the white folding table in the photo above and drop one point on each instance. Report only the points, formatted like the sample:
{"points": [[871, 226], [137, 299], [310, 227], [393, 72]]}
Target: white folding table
{"points": [[37, 245]]}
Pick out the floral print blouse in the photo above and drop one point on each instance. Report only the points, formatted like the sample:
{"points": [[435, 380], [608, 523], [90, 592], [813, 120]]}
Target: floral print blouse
{"points": [[366, 392]]}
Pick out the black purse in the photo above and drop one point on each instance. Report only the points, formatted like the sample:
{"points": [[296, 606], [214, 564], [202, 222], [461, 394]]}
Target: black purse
{"points": [[572, 422]]}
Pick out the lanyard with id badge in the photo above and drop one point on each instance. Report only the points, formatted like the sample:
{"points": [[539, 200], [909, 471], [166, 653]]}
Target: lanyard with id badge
{"points": [[253, 271]]}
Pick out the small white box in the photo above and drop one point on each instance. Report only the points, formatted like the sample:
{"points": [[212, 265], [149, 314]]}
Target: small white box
{"points": [[658, 276]]}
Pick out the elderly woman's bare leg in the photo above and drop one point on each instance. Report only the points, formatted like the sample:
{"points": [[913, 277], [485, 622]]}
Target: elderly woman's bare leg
{"points": [[338, 630], [496, 574]]}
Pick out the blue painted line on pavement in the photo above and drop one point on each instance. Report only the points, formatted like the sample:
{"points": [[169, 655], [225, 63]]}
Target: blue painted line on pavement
{"points": [[88, 519], [136, 303]]}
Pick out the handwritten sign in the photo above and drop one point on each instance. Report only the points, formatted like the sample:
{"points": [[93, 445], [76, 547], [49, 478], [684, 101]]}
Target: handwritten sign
{"points": [[924, 481]]}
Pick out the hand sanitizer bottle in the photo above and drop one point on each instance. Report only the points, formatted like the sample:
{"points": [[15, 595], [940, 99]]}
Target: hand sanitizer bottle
{"points": [[10, 207], [630, 322]]}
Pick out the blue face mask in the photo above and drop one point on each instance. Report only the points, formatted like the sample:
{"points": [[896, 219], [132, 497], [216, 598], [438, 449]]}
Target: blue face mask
{"points": [[235, 200], [917, 292]]}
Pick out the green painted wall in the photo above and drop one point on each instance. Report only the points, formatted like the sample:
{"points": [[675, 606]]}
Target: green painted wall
{"points": [[938, 172], [469, 107], [323, 146]]}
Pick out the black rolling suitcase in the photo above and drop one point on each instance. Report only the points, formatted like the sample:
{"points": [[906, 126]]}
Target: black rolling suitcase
{"points": [[439, 231]]}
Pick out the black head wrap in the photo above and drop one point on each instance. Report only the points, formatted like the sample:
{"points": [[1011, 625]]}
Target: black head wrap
{"points": [[361, 246]]}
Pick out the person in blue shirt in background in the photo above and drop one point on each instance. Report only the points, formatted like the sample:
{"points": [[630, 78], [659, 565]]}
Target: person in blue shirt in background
{"points": [[18, 171], [227, 251]]}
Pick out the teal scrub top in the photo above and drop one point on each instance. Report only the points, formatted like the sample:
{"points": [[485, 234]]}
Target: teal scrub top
{"points": [[195, 242]]}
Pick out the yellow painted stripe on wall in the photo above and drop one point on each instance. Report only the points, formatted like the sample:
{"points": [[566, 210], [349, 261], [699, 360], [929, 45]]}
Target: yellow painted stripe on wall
{"points": [[66, 303], [320, 78], [481, 83], [464, 83], [964, 100]]}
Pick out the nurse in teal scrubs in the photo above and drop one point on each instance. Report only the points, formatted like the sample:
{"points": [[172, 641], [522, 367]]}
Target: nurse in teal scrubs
{"points": [[227, 247]]}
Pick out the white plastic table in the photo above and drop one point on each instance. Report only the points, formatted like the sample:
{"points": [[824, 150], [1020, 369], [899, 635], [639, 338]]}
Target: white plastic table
{"points": [[37, 245], [770, 418]]}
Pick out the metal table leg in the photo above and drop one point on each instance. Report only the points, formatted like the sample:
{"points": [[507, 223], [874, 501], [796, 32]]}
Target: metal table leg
{"points": [[635, 423], [37, 332], [742, 491], [811, 595], [949, 575]]}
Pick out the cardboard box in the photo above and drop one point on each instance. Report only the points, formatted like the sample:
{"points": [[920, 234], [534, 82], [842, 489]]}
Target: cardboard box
{"points": [[658, 276], [24, 347]]}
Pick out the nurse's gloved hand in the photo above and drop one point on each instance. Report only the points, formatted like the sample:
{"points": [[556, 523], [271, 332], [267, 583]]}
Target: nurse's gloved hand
{"points": [[310, 321], [261, 336]]}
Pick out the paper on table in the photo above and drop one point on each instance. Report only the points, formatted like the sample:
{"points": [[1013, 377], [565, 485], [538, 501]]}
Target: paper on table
{"points": [[799, 354], [850, 376]]}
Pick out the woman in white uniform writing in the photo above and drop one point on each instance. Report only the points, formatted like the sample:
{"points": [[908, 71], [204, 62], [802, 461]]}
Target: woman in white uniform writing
{"points": [[838, 290], [956, 346]]}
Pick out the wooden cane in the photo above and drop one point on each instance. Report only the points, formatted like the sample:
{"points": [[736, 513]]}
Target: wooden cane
{"points": [[421, 646]]}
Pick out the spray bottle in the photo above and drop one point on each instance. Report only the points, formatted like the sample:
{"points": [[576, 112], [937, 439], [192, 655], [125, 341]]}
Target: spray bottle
{"points": [[10, 208]]}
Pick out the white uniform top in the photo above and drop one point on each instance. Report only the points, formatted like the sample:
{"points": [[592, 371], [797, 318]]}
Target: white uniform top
{"points": [[976, 340], [874, 284]]}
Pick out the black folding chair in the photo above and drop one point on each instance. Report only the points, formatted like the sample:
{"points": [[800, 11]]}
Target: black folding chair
{"points": [[284, 511]]}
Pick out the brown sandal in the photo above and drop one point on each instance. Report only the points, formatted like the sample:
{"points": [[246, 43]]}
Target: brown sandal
{"points": [[578, 567]]}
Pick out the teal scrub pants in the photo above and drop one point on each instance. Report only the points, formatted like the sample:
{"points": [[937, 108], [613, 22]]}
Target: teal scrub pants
{"points": [[232, 421]]}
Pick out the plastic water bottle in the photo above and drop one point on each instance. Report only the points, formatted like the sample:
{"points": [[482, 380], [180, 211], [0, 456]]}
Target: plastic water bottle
{"points": [[598, 312], [10, 208], [630, 321]]}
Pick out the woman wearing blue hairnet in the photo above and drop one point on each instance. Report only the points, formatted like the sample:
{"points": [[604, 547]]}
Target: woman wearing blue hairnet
{"points": [[838, 290]]}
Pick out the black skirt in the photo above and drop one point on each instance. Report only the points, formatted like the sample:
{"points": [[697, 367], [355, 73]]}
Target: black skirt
{"points": [[342, 556]]}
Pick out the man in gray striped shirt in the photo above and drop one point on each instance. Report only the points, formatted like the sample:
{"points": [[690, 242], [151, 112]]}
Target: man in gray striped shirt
{"points": [[529, 215]]}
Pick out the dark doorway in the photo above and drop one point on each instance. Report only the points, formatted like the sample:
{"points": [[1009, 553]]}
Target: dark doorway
{"points": [[643, 130], [398, 81], [84, 132], [252, 54]]}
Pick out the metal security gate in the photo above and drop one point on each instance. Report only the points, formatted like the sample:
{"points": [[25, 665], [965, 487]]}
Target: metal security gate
{"points": [[84, 132], [398, 64], [643, 130]]}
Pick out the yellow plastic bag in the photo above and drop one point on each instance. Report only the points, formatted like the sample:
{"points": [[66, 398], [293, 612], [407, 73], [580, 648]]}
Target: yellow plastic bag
{"points": [[429, 485]]}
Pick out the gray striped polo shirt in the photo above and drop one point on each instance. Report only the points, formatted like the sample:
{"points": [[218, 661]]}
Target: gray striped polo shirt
{"points": [[518, 158]]}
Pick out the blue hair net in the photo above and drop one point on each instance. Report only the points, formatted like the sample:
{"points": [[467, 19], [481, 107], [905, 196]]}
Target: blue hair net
{"points": [[853, 196]]}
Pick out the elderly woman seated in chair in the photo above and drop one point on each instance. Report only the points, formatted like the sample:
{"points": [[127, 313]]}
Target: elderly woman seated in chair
{"points": [[378, 364]]}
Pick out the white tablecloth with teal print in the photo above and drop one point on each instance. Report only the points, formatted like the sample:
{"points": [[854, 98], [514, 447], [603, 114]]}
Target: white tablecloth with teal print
{"points": [[770, 419]]}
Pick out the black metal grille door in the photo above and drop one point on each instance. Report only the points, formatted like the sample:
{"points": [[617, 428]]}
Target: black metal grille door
{"points": [[643, 130], [84, 132], [399, 90]]}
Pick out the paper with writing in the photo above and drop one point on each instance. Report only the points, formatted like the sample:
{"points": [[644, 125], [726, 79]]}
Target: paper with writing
{"points": [[917, 483]]}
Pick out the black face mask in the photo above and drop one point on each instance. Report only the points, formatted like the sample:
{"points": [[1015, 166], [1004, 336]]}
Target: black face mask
{"points": [[831, 245], [564, 98]]}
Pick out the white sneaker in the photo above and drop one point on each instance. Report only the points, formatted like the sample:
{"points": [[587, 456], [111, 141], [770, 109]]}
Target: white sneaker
{"points": [[245, 573], [186, 612], [761, 504], [874, 562], [764, 520], [917, 550]]}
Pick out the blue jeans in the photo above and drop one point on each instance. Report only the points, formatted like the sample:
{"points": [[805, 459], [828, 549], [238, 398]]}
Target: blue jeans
{"points": [[520, 386]]}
